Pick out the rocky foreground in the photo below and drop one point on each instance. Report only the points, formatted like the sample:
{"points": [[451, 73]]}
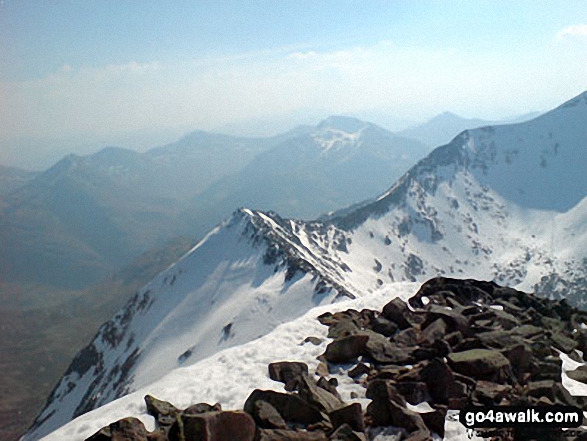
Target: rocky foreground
{"points": [[458, 343]]}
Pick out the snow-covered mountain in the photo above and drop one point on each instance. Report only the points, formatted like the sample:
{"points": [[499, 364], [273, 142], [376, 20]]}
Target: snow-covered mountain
{"points": [[339, 162], [506, 203]]}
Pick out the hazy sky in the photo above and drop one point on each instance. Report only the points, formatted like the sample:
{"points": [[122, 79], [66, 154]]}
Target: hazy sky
{"points": [[92, 72]]}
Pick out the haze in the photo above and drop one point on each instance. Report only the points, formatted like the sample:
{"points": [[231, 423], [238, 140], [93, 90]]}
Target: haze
{"points": [[76, 76]]}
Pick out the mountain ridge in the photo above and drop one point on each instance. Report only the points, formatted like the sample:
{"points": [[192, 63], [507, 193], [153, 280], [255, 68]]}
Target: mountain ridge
{"points": [[443, 217]]}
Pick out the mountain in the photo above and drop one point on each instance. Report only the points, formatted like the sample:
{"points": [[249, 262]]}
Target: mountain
{"points": [[444, 127], [339, 162], [12, 178], [37, 343], [504, 203], [87, 216]]}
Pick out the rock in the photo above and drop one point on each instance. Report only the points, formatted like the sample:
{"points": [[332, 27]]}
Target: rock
{"points": [[292, 408], [487, 393], [358, 370], [351, 415], [454, 320], [520, 358], [414, 392], [314, 340], [546, 370], [434, 331], [322, 369], [506, 320], [398, 312], [343, 328], [329, 386], [290, 435], [388, 408], [480, 363], [346, 433], [196, 409], [499, 339], [219, 426], [126, 429], [316, 396], [158, 435], [266, 416], [438, 377], [164, 413], [562, 342], [579, 374], [346, 349], [407, 337], [284, 371], [383, 326], [528, 331], [435, 420]]}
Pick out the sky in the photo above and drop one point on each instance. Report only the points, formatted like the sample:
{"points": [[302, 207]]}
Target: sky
{"points": [[78, 75]]}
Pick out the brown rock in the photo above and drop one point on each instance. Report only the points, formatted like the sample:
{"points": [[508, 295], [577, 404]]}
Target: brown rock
{"points": [[346, 349], [289, 435], [292, 408], [126, 429], [322, 369], [346, 433], [579, 374], [435, 420], [480, 363], [317, 396], [219, 426], [351, 415], [398, 312], [196, 409], [266, 416], [284, 371]]}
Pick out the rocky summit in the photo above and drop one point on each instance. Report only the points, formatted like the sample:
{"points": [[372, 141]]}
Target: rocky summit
{"points": [[454, 344]]}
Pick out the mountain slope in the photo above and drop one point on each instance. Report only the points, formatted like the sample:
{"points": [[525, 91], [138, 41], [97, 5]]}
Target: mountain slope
{"points": [[87, 216], [12, 178], [444, 127], [484, 206], [339, 162]]}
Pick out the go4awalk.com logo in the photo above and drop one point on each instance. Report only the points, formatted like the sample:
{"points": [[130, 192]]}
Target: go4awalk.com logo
{"points": [[515, 416]]}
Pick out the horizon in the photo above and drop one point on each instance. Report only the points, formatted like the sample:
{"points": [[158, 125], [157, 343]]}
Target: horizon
{"points": [[78, 77]]}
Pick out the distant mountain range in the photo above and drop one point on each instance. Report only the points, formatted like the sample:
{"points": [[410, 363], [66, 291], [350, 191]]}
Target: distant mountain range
{"points": [[85, 217], [443, 128], [505, 203]]}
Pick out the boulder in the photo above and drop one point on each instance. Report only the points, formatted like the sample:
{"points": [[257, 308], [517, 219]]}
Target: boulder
{"points": [[196, 409], [563, 343], [434, 331], [488, 393], [284, 371], [343, 328], [351, 415], [219, 426], [435, 420], [579, 374], [454, 320], [126, 429], [317, 396], [383, 326], [346, 433], [266, 416], [406, 337], [398, 312], [480, 363], [292, 408], [346, 349], [164, 413]]}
